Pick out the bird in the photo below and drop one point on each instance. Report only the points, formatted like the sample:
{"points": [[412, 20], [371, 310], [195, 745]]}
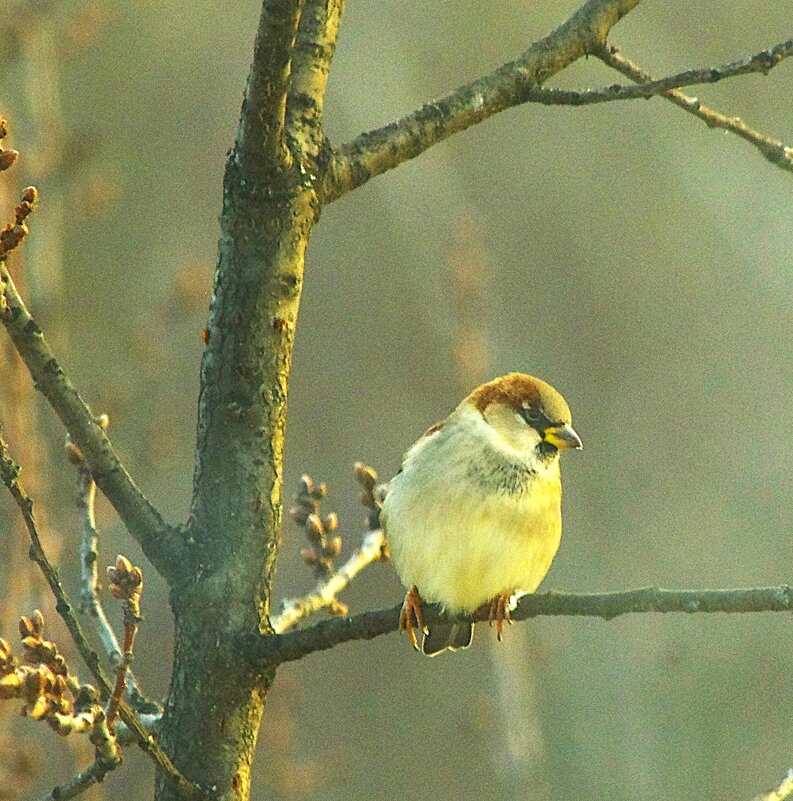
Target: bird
{"points": [[473, 517]]}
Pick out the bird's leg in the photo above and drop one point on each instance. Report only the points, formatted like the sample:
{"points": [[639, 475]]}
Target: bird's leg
{"points": [[411, 608], [499, 612]]}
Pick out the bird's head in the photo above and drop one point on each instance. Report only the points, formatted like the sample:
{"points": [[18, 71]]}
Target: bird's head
{"points": [[525, 413]]}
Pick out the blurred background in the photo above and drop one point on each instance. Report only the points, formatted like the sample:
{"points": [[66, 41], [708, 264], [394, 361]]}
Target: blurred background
{"points": [[631, 256]]}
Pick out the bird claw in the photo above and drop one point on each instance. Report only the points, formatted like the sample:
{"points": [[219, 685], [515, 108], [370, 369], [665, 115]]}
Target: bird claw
{"points": [[499, 612], [411, 609]]}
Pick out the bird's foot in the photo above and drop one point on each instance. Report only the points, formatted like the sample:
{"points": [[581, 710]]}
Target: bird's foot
{"points": [[499, 612], [411, 610]]}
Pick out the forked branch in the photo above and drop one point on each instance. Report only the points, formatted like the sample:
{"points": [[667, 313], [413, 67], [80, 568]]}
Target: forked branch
{"points": [[375, 152], [762, 62], [520, 81], [773, 150]]}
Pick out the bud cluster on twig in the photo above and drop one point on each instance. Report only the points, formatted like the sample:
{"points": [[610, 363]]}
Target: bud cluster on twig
{"points": [[372, 497], [7, 157], [43, 683], [12, 234], [324, 543], [126, 584]]}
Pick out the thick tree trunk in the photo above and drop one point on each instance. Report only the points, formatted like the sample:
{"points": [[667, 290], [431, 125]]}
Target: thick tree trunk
{"points": [[214, 706], [215, 702]]}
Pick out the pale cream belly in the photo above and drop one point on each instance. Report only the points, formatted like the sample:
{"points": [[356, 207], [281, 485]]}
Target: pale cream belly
{"points": [[463, 556]]}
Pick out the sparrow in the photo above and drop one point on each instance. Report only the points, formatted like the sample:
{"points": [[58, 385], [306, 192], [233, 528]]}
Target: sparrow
{"points": [[474, 515]]}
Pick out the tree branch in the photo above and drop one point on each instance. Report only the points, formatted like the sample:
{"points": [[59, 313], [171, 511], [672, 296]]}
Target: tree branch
{"points": [[89, 591], [90, 602], [260, 137], [377, 151], [288, 647], [326, 593], [762, 62], [107, 758], [161, 543], [9, 474], [311, 61], [772, 150]]}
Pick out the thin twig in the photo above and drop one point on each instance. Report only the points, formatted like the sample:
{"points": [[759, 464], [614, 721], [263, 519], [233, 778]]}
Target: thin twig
{"points": [[161, 543], [293, 645], [90, 602], [325, 546], [107, 758], [762, 62], [295, 609], [782, 792], [772, 150], [9, 473], [126, 584]]}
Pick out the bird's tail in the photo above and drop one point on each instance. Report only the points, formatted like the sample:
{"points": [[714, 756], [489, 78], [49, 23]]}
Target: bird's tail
{"points": [[453, 636]]}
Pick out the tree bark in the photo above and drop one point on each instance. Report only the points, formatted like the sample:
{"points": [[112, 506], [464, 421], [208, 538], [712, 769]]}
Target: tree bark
{"points": [[216, 701]]}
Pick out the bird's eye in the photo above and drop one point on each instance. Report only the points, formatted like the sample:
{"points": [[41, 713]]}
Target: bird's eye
{"points": [[532, 415]]}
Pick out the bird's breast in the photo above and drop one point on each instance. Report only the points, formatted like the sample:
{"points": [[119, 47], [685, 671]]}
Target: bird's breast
{"points": [[474, 528]]}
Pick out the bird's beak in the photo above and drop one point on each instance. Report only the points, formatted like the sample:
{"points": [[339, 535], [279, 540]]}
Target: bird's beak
{"points": [[563, 437]]}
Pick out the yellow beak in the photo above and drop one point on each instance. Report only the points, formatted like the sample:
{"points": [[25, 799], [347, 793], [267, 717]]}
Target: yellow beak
{"points": [[563, 437]]}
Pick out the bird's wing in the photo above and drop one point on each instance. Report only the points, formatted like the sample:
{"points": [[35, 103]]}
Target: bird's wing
{"points": [[433, 429]]}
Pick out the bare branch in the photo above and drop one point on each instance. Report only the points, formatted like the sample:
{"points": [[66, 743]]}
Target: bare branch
{"points": [[773, 150], [762, 62], [9, 474], [260, 138], [161, 543], [273, 650], [107, 758], [323, 597], [782, 792], [90, 602], [325, 546], [375, 152], [311, 61], [81, 782]]}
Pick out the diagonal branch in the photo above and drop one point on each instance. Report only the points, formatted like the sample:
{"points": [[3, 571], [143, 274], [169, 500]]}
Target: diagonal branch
{"points": [[275, 649], [9, 474], [260, 138], [762, 62], [161, 543], [326, 593], [375, 152], [773, 150]]}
